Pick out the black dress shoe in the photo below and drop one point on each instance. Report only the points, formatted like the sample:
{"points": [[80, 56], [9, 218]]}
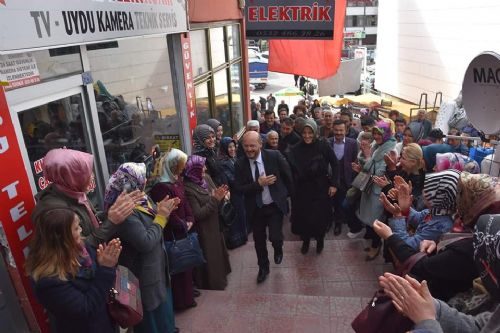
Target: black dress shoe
{"points": [[278, 258], [262, 276], [337, 230], [196, 293], [305, 247], [320, 245], [177, 330]]}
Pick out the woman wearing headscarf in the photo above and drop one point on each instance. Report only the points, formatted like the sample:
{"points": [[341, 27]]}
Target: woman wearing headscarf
{"points": [[218, 130], [311, 205], [409, 136], [370, 208], [181, 220], [71, 278], [237, 234], [205, 146], [451, 269], [142, 240], [70, 173], [414, 300], [205, 198], [439, 194]]}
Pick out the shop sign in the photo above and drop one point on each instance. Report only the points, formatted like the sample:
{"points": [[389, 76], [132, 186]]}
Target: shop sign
{"points": [[17, 204], [481, 92], [289, 19], [18, 70], [188, 81], [354, 34], [26, 24], [168, 141]]}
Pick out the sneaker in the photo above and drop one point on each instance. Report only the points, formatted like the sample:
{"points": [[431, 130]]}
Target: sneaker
{"points": [[353, 235]]}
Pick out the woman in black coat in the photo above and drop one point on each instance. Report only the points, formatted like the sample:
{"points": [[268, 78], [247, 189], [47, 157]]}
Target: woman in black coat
{"points": [[311, 203], [205, 146]]}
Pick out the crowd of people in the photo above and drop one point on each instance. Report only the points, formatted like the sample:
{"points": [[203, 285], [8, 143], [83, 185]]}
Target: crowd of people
{"points": [[400, 185]]}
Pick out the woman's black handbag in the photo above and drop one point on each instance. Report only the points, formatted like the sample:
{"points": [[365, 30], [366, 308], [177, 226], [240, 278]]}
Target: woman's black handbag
{"points": [[184, 254], [227, 214]]}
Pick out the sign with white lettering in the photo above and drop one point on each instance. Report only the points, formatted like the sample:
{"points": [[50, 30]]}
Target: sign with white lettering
{"points": [[481, 92], [26, 24], [17, 203], [289, 19], [188, 81], [18, 70]]}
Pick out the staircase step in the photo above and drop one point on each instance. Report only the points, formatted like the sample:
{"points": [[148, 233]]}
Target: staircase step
{"points": [[223, 311]]}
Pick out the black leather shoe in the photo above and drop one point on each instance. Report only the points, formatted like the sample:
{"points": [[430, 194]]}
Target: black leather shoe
{"points": [[196, 293], [337, 230], [176, 330], [305, 247], [278, 258], [262, 276]]}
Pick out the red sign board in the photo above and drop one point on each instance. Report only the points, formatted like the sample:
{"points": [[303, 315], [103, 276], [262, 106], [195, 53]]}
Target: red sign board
{"points": [[17, 204], [188, 81]]}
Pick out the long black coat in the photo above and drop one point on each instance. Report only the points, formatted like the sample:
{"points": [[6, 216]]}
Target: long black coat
{"points": [[311, 205]]}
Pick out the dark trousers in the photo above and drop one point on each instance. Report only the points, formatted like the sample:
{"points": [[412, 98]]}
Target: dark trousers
{"points": [[373, 237], [349, 209], [272, 217]]}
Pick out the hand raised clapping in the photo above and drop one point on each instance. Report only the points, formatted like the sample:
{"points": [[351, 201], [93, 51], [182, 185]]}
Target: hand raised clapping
{"points": [[107, 255]]}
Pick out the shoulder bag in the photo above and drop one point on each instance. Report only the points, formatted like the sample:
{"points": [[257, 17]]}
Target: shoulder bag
{"points": [[363, 180], [184, 254], [227, 214], [380, 315], [125, 305]]}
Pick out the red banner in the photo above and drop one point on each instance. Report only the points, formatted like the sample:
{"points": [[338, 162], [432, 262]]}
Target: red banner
{"points": [[188, 81], [17, 203], [316, 59]]}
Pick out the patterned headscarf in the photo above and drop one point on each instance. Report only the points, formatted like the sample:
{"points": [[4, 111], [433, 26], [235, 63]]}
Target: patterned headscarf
{"points": [[383, 127], [170, 165], [71, 172], [477, 195], [487, 254], [129, 177], [200, 134], [440, 190], [194, 170], [456, 161]]}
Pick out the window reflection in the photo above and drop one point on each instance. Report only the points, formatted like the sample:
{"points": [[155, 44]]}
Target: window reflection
{"points": [[222, 112], [217, 49], [202, 103]]}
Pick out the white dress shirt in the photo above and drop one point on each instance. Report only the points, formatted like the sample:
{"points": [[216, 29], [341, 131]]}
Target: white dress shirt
{"points": [[266, 194]]}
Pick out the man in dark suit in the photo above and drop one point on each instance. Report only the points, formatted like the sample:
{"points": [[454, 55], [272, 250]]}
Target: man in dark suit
{"points": [[265, 179], [346, 152]]}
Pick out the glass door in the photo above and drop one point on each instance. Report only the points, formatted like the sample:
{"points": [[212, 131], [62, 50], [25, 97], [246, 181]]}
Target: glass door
{"points": [[51, 122]]}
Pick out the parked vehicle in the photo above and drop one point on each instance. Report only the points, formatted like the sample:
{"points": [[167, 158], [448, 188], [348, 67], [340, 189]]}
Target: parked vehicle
{"points": [[258, 69]]}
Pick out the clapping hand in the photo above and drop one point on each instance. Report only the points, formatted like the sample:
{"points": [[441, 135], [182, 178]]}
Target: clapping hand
{"points": [[394, 209], [428, 246], [220, 192], [382, 229], [167, 206], [107, 255], [124, 206], [404, 189], [356, 167], [411, 298], [380, 181], [390, 159]]}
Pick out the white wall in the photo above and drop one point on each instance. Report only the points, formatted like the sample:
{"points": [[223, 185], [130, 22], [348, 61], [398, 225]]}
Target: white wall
{"points": [[426, 46]]}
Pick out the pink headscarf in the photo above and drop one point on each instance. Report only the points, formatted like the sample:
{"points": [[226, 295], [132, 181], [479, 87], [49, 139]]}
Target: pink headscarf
{"points": [[71, 172]]}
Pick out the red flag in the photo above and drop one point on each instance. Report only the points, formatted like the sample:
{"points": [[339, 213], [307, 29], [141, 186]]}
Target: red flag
{"points": [[3, 2], [316, 59]]}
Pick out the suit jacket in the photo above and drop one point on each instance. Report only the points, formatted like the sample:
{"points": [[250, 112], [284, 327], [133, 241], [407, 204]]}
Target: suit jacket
{"points": [[350, 155], [274, 164]]}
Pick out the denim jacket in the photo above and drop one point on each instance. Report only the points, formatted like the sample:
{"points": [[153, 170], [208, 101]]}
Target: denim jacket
{"points": [[430, 230]]}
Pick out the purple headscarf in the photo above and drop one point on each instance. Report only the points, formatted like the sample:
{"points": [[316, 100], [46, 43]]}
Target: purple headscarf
{"points": [[129, 176], [194, 170], [383, 128]]}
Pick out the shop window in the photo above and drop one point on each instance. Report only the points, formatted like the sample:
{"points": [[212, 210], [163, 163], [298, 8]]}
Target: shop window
{"points": [[371, 20], [222, 111], [28, 68], [199, 54], [217, 49], [135, 100], [57, 124], [236, 97], [233, 41], [202, 102]]}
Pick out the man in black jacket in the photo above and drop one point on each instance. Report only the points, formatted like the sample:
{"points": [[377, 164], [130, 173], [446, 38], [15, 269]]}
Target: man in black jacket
{"points": [[289, 137], [264, 178]]}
